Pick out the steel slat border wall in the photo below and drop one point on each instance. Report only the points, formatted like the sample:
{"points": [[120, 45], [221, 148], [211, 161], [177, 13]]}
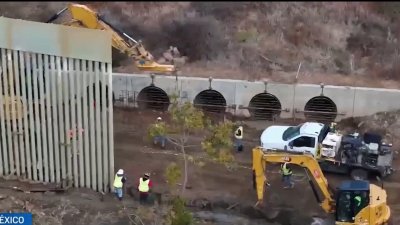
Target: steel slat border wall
{"points": [[60, 134], [80, 155], [8, 153], [3, 143], [46, 133], [28, 172], [54, 118]]}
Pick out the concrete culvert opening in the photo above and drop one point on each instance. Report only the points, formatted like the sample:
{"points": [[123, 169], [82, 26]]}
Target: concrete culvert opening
{"points": [[320, 109], [210, 101], [265, 106], [153, 97]]}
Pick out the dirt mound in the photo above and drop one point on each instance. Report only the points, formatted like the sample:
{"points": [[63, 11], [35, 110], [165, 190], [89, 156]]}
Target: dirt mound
{"points": [[384, 123]]}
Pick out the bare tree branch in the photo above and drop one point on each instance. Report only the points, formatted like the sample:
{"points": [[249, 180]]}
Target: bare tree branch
{"points": [[137, 217], [173, 141]]}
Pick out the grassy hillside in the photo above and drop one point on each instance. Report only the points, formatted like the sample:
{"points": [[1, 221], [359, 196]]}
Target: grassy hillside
{"points": [[336, 43]]}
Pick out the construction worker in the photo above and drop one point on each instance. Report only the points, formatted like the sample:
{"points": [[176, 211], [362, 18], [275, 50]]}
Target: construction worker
{"points": [[144, 188], [238, 139], [357, 204], [287, 175], [333, 127], [119, 181], [160, 133]]}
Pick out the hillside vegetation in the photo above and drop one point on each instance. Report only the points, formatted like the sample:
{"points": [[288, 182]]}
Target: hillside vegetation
{"points": [[335, 42]]}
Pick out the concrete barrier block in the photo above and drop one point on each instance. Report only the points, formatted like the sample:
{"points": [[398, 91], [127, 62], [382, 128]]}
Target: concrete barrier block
{"points": [[348, 100], [245, 91], [168, 83], [192, 87], [284, 93], [368, 101], [227, 88], [343, 97], [302, 94]]}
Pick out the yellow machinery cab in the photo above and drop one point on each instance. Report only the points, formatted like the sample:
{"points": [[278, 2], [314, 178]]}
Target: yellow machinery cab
{"points": [[359, 202]]}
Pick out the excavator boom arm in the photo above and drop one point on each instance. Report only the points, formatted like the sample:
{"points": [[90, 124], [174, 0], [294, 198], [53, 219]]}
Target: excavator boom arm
{"points": [[82, 16], [261, 158]]}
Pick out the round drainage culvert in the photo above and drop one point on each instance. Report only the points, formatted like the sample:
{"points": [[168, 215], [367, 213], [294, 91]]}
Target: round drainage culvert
{"points": [[264, 106], [210, 101], [321, 109], [152, 97]]}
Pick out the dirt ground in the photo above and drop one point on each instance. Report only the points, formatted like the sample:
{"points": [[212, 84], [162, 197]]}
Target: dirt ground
{"points": [[212, 182]]}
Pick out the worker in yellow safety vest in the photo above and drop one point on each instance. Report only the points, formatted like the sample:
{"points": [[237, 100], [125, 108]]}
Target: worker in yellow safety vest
{"points": [[144, 187], [357, 204], [332, 127], [287, 175], [119, 181], [238, 139], [160, 133]]}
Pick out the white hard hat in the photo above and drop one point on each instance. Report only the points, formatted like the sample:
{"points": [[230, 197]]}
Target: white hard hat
{"points": [[158, 118], [120, 172]]}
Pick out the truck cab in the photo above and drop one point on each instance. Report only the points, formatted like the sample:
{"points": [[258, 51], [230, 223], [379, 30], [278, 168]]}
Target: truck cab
{"points": [[302, 138]]}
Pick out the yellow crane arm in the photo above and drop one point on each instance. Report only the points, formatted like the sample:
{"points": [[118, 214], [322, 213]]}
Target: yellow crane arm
{"points": [[82, 16], [261, 158]]}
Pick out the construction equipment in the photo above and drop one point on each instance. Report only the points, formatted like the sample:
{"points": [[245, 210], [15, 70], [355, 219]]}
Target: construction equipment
{"points": [[373, 209], [82, 16], [347, 154]]}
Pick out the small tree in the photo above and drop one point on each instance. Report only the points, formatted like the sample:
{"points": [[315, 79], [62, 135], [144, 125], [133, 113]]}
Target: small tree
{"points": [[218, 144], [185, 119], [157, 129], [188, 119], [179, 215], [173, 174]]}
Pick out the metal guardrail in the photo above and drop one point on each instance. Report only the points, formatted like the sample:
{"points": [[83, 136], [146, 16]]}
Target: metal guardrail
{"points": [[317, 115], [319, 112], [169, 103], [147, 101], [263, 108], [217, 106]]}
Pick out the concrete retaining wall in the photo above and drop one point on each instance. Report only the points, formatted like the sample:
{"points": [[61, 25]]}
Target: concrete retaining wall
{"points": [[350, 101]]}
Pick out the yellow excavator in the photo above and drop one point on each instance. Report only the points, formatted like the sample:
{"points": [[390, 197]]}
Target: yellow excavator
{"points": [[372, 210], [83, 16]]}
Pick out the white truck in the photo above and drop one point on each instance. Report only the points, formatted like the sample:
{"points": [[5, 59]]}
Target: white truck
{"points": [[348, 154]]}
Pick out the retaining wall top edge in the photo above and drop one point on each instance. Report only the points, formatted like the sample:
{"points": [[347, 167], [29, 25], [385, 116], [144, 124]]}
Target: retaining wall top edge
{"points": [[258, 82], [377, 89]]}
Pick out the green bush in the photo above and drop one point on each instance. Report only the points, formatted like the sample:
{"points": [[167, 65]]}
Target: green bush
{"points": [[218, 144], [173, 174], [179, 215], [155, 129]]}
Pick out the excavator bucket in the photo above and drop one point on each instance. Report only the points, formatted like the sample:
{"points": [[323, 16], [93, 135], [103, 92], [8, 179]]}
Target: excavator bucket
{"points": [[155, 67]]}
